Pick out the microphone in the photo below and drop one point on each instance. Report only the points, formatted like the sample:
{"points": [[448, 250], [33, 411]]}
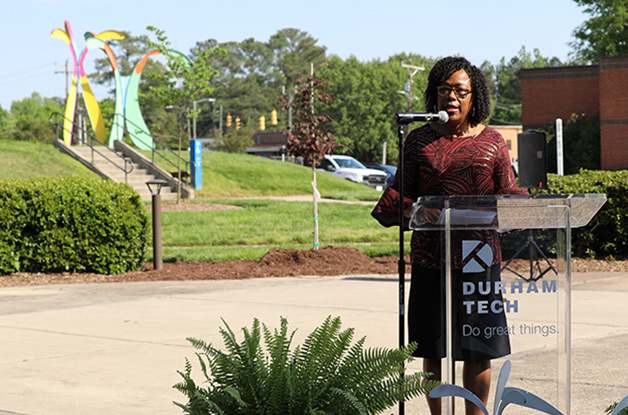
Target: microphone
{"points": [[407, 117]]}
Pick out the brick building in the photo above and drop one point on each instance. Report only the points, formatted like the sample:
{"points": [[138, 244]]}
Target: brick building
{"points": [[597, 90], [510, 132]]}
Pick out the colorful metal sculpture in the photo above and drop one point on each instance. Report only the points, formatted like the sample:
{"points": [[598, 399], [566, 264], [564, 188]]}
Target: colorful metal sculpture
{"points": [[126, 91]]}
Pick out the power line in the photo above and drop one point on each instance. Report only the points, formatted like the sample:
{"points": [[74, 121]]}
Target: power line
{"points": [[7, 81], [22, 71]]}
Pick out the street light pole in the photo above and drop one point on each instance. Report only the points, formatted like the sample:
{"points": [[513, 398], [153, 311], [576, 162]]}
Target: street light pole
{"points": [[195, 115], [194, 119], [187, 111]]}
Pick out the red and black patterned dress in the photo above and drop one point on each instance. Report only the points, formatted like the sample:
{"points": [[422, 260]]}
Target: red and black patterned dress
{"points": [[438, 165]]}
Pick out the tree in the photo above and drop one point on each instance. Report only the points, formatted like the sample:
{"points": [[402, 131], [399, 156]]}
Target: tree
{"points": [[183, 81], [605, 33], [293, 51], [244, 71], [30, 118], [236, 141], [7, 124], [507, 81], [309, 137], [258, 71], [367, 98]]}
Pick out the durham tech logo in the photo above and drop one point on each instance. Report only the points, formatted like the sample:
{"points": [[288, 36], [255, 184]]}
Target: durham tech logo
{"points": [[477, 256]]}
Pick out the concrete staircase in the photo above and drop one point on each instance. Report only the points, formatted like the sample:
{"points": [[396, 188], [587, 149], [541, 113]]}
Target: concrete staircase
{"points": [[123, 164]]}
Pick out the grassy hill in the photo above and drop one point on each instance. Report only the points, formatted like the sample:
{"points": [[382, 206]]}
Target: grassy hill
{"points": [[224, 175], [237, 175], [28, 159]]}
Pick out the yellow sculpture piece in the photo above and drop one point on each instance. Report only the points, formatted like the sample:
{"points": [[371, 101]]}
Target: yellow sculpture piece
{"points": [[70, 107]]}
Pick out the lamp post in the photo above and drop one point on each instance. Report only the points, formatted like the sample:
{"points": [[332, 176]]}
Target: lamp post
{"points": [[195, 116], [154, 186], [187, 111]]}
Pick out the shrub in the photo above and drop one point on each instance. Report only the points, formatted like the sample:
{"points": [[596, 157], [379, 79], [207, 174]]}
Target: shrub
{"points": [[71, 224], [325, 375], [607, 233]]}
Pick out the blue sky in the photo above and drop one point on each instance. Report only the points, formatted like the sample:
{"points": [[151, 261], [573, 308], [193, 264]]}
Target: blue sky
{"points": [[479, 30]]}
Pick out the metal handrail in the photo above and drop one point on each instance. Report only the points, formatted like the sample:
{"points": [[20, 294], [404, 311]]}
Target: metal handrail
{"points": [[90, 143], [155, 151]]}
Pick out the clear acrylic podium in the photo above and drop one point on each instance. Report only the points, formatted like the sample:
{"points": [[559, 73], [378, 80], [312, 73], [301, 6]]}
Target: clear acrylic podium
{"points": [[538, 308]]}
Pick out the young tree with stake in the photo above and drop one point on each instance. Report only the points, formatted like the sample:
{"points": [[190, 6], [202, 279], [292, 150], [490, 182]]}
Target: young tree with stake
{"points": [[308, 136]]}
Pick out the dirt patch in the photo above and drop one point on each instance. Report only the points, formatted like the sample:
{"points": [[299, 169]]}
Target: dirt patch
{"points": [[275, 264]]}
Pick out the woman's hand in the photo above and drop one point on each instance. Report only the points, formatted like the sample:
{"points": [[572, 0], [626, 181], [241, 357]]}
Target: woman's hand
{"points": [[430, 215], [424, 215]]}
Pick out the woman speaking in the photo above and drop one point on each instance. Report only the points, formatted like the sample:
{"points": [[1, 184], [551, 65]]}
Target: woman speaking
{"points": [[460, 157]]}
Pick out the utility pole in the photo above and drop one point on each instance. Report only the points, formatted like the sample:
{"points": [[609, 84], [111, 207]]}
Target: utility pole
{"points": [[412, 70], [66, 71], [194, 119], [407, 91], [290, 98]]}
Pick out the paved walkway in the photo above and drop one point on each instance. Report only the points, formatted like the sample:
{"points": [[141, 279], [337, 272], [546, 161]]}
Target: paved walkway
{"points": [[115, 348]]}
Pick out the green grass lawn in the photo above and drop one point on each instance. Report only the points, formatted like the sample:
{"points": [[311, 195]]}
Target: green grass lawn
{"points": [[250, 232], [247, 233]]}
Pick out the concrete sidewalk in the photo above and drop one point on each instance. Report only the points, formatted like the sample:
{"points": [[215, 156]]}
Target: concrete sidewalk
{"points": [[116, 348]]}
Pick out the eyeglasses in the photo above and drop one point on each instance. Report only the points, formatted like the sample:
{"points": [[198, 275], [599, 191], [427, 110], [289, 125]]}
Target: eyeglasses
{"points": [[445, 90]]}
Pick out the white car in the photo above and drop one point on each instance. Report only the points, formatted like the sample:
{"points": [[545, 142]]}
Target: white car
{"points": [[347, 167]]}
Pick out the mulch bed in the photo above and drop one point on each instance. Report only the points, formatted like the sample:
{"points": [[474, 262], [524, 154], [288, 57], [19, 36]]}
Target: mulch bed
{"points": [[327, 261]]}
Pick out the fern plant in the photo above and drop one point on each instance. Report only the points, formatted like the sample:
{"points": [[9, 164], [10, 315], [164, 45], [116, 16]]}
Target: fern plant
{"points": [[327, 374]]}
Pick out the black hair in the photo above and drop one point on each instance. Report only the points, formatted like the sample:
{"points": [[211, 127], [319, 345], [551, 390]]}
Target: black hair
{"points": [[443, 69]]}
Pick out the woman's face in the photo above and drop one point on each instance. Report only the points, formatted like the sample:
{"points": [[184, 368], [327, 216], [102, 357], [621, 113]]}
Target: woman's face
{"points": [[454, 96]]}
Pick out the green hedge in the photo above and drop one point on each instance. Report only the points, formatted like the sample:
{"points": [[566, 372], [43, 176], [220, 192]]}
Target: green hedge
{"points": [[607, 233], [71, 224]]}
